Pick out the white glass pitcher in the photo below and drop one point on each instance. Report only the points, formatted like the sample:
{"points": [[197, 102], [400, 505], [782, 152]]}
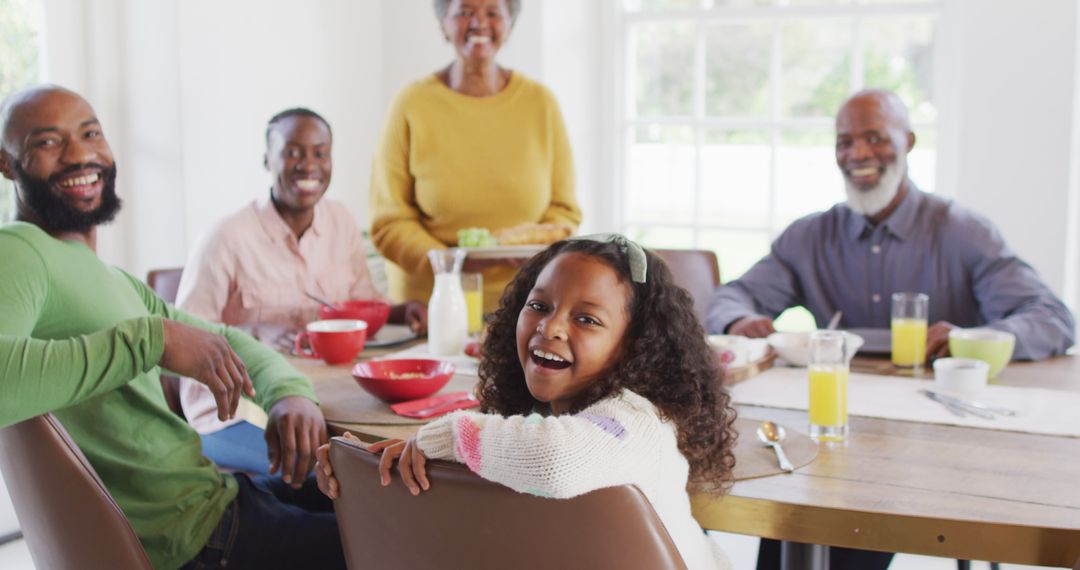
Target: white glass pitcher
{"points": [[448, 314]]}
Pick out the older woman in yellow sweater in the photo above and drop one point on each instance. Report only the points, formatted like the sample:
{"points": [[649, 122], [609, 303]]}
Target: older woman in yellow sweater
{"points": [[472, 145]]}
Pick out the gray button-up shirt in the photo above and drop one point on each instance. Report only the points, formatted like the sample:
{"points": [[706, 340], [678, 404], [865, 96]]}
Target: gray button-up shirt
{"points": [[836, 260]]}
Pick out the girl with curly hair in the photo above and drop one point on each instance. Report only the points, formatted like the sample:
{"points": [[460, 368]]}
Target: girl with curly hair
{"points": [[595, 373]]}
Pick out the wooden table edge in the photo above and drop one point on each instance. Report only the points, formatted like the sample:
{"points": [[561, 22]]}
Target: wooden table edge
{"points": [[966, 540]]}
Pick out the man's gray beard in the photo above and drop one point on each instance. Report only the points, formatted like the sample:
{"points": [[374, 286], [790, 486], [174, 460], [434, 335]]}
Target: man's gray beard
{"points": [[874, 200]]}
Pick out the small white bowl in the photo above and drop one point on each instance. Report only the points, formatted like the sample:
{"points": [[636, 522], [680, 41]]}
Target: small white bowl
{"points": [[965, 375]]}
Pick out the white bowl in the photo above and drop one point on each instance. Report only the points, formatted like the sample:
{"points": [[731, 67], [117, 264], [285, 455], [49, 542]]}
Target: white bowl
{"points": [[794, 347], [963, 375]]}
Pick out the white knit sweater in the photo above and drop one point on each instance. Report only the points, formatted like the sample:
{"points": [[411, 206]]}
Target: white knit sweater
{"points": [[619, 440]]}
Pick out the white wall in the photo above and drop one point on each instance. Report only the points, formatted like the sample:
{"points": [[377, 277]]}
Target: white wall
{"points": [[1014, 97], [184, 90], [1072, 236]]}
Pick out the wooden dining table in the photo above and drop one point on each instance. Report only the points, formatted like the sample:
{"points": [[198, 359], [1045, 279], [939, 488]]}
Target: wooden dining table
{"points": [[896, 486]]}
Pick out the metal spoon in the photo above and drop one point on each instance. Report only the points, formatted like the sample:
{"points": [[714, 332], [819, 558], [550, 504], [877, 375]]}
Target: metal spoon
{"points": [[835, 320], [322, 302], [771, 434]]}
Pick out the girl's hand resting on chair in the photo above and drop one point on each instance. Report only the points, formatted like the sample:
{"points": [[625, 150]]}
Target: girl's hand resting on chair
{"points": [[412, 464], [324, 472]]}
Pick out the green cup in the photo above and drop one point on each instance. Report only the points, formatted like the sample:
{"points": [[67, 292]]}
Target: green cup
{"points": [[992, 346]]}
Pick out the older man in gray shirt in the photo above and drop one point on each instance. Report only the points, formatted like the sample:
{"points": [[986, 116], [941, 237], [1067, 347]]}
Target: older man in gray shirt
{"points": [[889, 237]]}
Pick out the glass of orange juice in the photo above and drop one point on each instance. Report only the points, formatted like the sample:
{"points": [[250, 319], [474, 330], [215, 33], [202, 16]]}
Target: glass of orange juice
{"points": [[828, 385], [473, 286], [909, 318]]}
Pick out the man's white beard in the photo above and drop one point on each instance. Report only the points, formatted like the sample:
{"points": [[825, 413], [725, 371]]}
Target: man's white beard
{"points": [[874, 200]]}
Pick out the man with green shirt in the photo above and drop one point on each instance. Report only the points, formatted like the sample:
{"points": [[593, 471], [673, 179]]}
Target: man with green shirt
{"points": [[86, 342]]}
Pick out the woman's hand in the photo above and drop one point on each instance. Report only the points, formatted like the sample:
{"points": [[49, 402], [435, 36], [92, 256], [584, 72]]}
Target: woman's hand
{"points": [[412, 463], [416, 317], [478, 265], [410, 313], [324, 471]]}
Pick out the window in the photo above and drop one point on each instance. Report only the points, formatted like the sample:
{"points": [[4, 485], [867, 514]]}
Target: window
{"points": [[729, 106], [19, 33]]}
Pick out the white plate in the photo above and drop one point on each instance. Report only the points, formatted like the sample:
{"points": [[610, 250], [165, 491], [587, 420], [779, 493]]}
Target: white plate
{"points": [[504, 251], [390, 335]]}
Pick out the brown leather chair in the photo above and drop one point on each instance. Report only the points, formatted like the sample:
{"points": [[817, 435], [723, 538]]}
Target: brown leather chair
{"points": [[166, 282], [695, 270], [464, 521], [68, 517]]}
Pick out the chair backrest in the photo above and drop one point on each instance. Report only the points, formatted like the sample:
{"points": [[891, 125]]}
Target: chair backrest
{"points": [[695, 270], [68, 517], [166, 282], [464, 521]]}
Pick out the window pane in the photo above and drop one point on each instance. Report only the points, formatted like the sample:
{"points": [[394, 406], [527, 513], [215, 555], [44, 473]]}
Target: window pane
{"points": [[639, 5], [662, 238], [922, 160], [737, 70], [735, 179], [663, 69], [738, 3], [815, 2], [807, 178], [19, 29], [660, 175], [899, 56], [899, 1], [815, 73], [737, 250]]}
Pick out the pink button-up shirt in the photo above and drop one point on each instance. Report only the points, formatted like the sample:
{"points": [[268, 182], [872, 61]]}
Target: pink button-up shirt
{"points": [[252, 270]]}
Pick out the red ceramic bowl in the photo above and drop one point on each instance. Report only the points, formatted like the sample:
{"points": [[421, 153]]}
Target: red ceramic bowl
{"points": [[374, 313], [406, 379]]}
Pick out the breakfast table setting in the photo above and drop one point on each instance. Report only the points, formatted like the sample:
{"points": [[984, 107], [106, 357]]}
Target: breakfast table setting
{"points": [[910, 476], [846, 438]]}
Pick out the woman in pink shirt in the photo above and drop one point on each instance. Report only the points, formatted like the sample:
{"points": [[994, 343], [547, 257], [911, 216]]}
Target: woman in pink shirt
{"points": [[254, 267]]}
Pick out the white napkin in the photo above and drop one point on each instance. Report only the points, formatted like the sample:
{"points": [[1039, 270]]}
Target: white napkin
{"points": [[1038, 410]]}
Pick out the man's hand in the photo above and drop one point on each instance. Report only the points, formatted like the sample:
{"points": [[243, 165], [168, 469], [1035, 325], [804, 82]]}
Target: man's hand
{"points": [[937, 340], [207, 358], [753, 327], [295, 428]]}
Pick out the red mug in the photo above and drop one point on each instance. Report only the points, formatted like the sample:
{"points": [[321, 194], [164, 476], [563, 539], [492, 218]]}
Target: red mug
{"points": [[334, 341]]}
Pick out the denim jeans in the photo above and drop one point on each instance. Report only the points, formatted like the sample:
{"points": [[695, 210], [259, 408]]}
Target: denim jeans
{"points": [[270, 525], [239, 447]]}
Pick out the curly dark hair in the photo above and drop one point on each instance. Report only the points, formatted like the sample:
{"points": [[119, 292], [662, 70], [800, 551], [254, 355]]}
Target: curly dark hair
{"points": [[667, 361]]}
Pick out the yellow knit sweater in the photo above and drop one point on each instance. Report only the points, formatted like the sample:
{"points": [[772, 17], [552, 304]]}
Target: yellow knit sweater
{"points": [[448, 161]]}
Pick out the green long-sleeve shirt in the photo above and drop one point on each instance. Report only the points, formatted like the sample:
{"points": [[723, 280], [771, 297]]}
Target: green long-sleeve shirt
{"points": [[82, 340]]}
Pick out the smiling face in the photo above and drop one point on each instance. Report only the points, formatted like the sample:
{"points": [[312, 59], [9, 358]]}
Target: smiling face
{"points": [[571, 328], [477, 28], [872, 142], [55, 151], [298, 157]]}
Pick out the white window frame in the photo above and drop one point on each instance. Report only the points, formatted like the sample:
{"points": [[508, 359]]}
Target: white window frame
{"points": [[625, 122]]}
